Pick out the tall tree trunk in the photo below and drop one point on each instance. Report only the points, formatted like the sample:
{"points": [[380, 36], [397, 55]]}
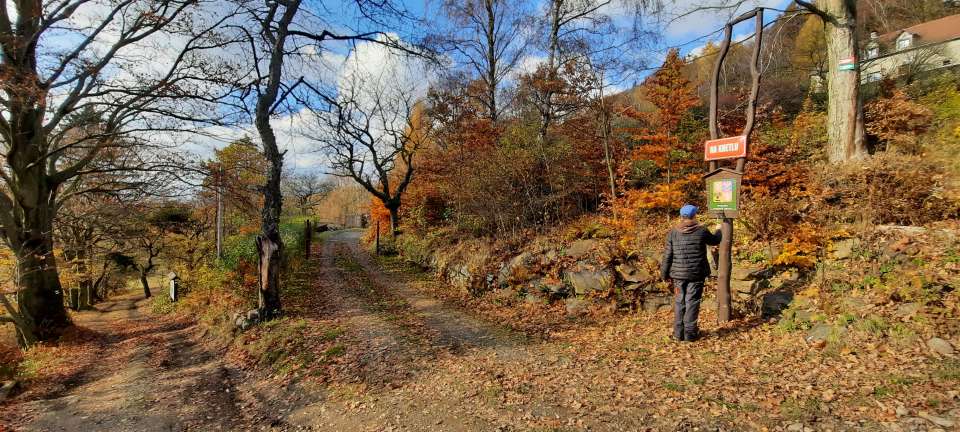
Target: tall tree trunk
{"points": [[145, 284], [845, 129], [40, 298], [492, 79], [269, 243], [394, 219]]}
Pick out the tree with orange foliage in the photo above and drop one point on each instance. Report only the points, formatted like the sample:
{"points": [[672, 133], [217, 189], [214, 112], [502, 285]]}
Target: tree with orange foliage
{"points": [[673, 95]]}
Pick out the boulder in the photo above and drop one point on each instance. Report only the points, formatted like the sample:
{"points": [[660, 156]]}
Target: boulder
{"points": [[655, 303], [632, 273], [856, 305], [803, 316], [550, 255], [749, 287], [901, 229], [459, 276], [822, 332], [580, 248], [907, 310], [741, 286], [576, 307], [843, 249], [587, 281], [939, 421], [771, 252], [513, 268], [253, 316], [555, 289], [748, 272], [241, 323], [940, 346], [775, 302], [6, 390], [741, 273]]}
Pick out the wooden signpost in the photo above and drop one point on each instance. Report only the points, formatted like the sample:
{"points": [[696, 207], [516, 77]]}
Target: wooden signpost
{"points": [[723, 184]]}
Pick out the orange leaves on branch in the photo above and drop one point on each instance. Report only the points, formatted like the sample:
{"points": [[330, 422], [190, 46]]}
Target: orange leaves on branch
{"points": [[673, 95], [668, 195], [896, 121], [378, 213], [802, 247], [671, 92]]}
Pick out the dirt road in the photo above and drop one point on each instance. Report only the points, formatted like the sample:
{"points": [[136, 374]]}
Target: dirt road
{"points": [[409, 362], [151, 374], [157, 374]]}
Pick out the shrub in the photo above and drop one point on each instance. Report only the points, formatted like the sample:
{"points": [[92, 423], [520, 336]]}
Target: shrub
{"points": [[887, 190], [243, 247], [896, 121]]}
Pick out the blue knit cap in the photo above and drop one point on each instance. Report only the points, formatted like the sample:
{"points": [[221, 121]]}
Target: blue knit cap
{"points": [[688, 210]]}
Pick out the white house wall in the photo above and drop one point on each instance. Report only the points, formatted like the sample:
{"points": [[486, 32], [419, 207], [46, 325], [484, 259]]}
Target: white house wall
{"points": [[888, 64]]}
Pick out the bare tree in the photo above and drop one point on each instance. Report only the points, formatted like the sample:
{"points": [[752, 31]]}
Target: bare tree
{"points": [[281, 34], [307, 188], [96, 62], [487, 37], [370, 133]]}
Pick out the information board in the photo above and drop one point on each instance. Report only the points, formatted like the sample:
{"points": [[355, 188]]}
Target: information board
{"points": [[723, 192]]}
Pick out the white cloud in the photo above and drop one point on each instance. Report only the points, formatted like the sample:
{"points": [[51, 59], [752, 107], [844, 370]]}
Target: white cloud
{"points": [[368, 62], [690, 19], [528, 64]]}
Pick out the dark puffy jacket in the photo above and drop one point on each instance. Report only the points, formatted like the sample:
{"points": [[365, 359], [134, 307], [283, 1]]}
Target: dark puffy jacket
{"points": [[685, 257]]}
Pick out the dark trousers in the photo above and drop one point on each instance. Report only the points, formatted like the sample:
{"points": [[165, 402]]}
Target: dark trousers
{"points": [[686, 308]]}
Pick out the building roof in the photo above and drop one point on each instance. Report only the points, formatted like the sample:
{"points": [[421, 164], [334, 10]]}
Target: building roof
{"points": [[938, 30]]}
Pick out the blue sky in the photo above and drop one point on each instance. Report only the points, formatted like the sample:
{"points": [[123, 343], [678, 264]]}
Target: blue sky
{"points": [[675, 25]]}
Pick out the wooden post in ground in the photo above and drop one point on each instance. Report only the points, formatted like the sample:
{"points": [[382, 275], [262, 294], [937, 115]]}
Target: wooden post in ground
{"points": [[220, 213], [724, 261], [307, 238]]}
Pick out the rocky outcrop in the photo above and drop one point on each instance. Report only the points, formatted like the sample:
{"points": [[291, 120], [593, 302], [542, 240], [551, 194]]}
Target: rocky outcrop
{"points": [[586, 281], [584, 268]]}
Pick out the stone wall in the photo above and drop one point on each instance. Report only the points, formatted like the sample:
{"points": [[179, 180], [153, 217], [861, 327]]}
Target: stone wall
{"points": [[577, 272]]}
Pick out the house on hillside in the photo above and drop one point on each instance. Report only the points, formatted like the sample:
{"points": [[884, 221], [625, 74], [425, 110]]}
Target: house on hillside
{"points": [[905, 53]]}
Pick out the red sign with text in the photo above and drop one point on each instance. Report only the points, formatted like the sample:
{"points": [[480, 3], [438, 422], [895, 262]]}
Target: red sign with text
{"points": [[725, 148]]}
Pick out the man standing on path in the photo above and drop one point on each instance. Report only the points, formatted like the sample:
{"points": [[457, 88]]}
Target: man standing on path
{"points": [[685, 264]]}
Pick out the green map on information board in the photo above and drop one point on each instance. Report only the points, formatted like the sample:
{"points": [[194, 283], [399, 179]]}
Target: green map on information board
{"points": [[722, 194]]}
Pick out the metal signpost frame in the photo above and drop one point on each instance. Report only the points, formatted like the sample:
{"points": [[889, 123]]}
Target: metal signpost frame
{"points": [[724, 264]]}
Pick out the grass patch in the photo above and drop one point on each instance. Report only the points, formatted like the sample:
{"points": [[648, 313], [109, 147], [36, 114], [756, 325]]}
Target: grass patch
{"points": [[873, 325], [287, 345], [161, 305], [806, 409], [949, 370], [38, 359], [335, 351], [672, 386]]}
